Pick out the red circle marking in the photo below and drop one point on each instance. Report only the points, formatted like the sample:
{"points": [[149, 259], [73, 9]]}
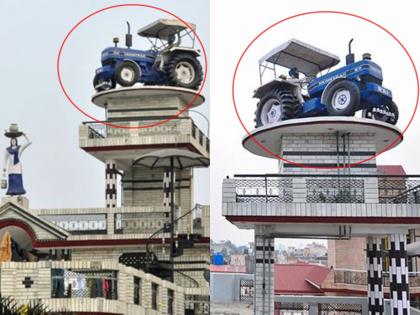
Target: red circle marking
{"points": [[262, 146], [196, 96]]}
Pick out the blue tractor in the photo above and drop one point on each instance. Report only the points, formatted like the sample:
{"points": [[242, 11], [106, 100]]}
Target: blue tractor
{"points": [[341, 92], [165, 63]]}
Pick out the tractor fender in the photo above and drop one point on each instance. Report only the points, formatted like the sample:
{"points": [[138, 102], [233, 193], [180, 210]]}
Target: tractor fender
{"points": [[192, 51], [275, 84], [135, 64], [323, 96], [165, 55]]}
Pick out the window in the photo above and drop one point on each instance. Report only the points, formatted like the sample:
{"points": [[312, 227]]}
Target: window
{"points": [[155, 289], [170, 302], [137, 291], [58, 254]]}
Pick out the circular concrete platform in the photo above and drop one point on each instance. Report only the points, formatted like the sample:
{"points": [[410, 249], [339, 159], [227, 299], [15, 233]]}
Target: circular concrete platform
{"points": [[102, 98], [270, 136]]}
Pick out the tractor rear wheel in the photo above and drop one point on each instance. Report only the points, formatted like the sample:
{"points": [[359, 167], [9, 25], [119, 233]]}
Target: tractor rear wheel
{"points": [[391, 108], [342, 98], [184, 70], [127, 73], [276, 106]]}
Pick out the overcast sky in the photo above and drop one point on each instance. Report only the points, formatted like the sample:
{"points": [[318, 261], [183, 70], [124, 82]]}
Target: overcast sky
{"points": [[56, 172], [230, 35]]}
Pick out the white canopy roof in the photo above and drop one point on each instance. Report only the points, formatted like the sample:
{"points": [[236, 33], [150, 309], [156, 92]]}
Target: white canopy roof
{"points": [[163, 28], [308, 59], [178, 158]]}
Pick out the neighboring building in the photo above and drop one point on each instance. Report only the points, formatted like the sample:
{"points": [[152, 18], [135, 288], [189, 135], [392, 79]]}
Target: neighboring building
{"points": [[230, 285]]}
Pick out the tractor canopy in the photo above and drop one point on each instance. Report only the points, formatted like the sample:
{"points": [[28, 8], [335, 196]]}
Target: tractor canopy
{"points": [[164, 29], [308, 59]]}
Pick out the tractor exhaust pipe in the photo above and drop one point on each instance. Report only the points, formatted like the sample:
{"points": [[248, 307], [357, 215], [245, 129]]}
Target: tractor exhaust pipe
{"points": [[350, 56], [128, 37]]}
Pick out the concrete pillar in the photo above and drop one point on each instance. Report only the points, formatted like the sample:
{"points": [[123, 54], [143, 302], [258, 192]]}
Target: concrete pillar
{"points": [[374, 276], [264, 275], [398, 274], [111, 183]]}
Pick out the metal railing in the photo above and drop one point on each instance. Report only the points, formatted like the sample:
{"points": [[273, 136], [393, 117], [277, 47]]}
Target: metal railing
{"points": [[327, 188], [98, 130], [359, 277], [322, 305]]}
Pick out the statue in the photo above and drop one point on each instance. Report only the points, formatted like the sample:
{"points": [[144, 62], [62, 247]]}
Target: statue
{"points": [[12, 163]]}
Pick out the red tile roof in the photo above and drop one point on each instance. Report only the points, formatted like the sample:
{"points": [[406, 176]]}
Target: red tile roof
{"points": [[391, 170], [299, 278]]}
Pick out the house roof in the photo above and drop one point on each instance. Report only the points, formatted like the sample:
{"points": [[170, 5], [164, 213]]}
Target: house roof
{"points": [[391, 170], [39, 229], [299, 278]]}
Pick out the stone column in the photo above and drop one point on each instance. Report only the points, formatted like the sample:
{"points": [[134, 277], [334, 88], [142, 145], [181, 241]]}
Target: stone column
{"points": [[374, 276], [111, 183], [264, 275], [398, 274]]}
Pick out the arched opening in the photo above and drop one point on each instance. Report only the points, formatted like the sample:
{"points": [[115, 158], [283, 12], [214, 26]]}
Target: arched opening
{"points": [[16, 240]]}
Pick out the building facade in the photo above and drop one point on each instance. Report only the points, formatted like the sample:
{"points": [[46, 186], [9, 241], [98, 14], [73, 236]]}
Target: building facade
{"points": [[149, 253]]}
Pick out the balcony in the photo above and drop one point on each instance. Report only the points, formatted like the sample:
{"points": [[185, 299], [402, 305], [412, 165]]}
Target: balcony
{"points": [[328, 199], [181, 130], [92, 287], [103, 223], [127, 222], [327, 188]]}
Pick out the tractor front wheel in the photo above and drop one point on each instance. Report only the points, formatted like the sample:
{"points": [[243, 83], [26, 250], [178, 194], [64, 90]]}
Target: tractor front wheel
{"points": [[127, 74], [101, 85], [342, 98], [276, 106], [184, 70]]}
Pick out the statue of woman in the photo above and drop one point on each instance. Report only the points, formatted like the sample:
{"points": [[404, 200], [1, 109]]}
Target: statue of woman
{"points": [[12, 163]]}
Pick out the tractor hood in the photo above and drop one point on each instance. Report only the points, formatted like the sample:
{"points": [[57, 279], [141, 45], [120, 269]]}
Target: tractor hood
{"points": [[118, 52], [308, 59]]}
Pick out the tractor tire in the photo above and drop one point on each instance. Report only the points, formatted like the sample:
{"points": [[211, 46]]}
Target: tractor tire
{"points": [[127, 74], [342, 98], [392, 108], [111, 84], [276, 106], [184, 70]]}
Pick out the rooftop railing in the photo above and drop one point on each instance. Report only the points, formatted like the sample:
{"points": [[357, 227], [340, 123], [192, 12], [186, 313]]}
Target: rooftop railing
{"points": [[310, 188]]}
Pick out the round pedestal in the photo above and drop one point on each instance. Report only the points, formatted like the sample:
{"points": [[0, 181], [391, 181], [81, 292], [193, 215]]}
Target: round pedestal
{"points": [[186, 95], [382, 134]]}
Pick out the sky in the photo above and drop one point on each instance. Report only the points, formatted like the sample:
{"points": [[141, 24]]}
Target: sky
{"points": [[328, 32], [57, 174]]}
